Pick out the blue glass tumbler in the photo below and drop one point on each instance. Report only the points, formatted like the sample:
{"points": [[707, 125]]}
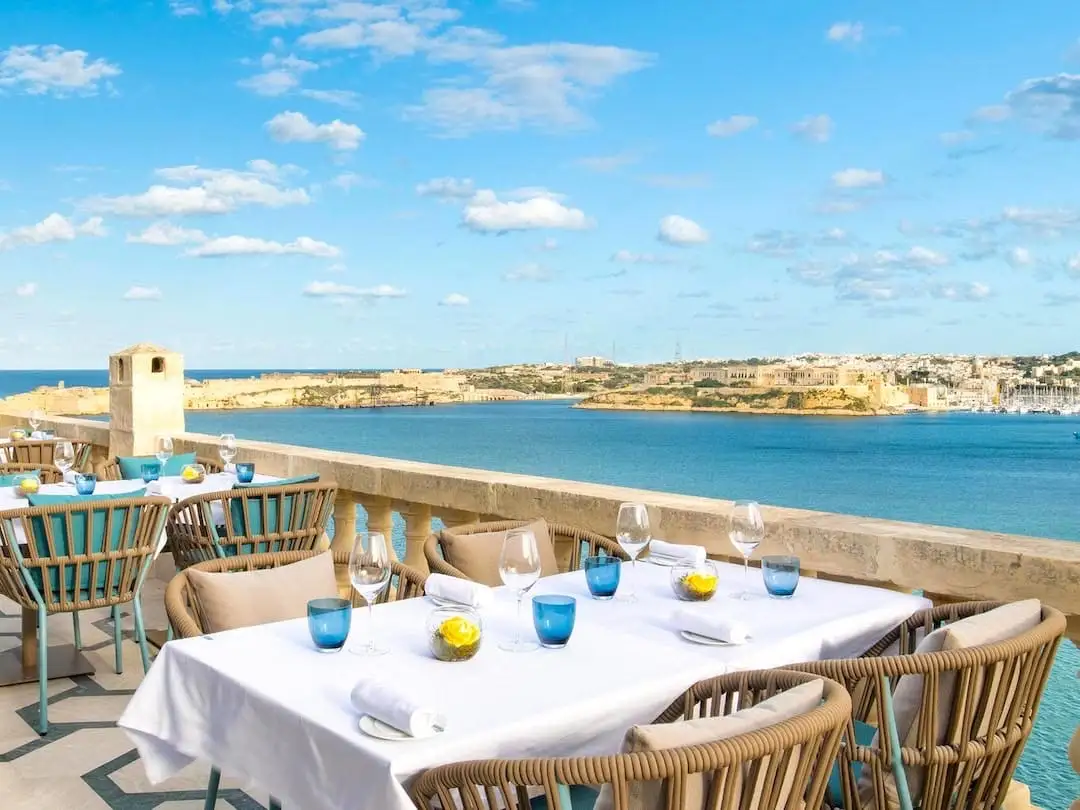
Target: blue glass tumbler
{"points": [[553, 618], [781, 575], [245, 472], [329, 620], [85, 483], [150, 472], [602, 576]]}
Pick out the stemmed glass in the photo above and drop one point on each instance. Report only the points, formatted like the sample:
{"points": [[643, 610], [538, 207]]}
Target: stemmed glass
{"points": [[519, 568], [632, 532], [746, 530], [64, 456], [164, 451], [369, 572], [227, 449], [36, 417]]}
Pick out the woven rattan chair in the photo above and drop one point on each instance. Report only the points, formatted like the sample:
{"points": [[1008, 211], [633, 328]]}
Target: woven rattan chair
{"points": [[48, 473], [736, 769], [976, 767], [110, 470], [80, 556], [40, 451], [569, 541], [252, 520], [185, 617]]}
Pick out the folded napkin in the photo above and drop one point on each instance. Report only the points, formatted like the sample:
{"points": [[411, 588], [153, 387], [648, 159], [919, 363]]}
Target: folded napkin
{"points": [[678, 552], [385, 702], [710, 625], [69, 477], [38, 434], [461, 591]]}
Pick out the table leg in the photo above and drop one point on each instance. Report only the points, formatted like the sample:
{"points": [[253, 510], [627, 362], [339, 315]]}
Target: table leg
{"points": [[20, 666]]}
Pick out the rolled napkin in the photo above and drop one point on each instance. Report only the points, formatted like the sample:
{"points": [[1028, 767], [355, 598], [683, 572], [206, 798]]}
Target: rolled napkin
{"points": [[678, 552], [386, 703], [460, 591], [709, 624]]}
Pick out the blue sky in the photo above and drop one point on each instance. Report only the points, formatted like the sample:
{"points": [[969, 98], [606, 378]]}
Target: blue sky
{"points": [[324, 183]]}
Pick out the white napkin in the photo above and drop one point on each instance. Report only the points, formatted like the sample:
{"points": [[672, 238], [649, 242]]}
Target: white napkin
{"points": [[710, 625], [69, 477], [677, 551], [37, 434], [383, 701], [461, 591]]}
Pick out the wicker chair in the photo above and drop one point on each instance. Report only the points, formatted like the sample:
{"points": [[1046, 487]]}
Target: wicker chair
{"points": [[110, 470], [746, 770], [987, 726], [569, 543], [41, 451], [80, 556], [185, 617], [49, 473], [253, 520]]}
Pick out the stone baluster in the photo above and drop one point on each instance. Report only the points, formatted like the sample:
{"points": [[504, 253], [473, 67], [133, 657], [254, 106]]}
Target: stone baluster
{"points": [[344, 535], [380, 517], [417, 529]]}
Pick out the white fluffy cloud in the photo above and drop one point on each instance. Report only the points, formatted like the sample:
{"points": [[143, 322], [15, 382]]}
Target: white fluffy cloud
{"points": [[331, 289], [535, 208], [1019, 258], [528, 272], [965, 291], [165, 233], [815, 128], [252, 246], [139, 293], [846, 32], [280, 75], [38, 70], [454, 300], [342, 98], [26, 290], [681, 232], [54, 228], [859, 178], [629, 257], [208, 191], [733, 125], [447, 188], [294, 127]]}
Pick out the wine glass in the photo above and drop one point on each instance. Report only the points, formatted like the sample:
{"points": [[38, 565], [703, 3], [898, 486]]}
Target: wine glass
{"points": [[63, 456], [369, 572], [746, 530], [632, 532], [519, 568], [37, 416], [164, 451], [227, 449]]}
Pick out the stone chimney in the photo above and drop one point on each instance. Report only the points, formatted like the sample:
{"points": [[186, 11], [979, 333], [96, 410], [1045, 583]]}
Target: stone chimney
{"points": [[146, 398]]}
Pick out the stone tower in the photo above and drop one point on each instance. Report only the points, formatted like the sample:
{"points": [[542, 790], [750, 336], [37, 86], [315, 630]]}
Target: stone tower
{"points": [[146, 398]]}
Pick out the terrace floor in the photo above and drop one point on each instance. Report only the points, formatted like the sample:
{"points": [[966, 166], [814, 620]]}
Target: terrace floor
{"points": [[86, 762]]}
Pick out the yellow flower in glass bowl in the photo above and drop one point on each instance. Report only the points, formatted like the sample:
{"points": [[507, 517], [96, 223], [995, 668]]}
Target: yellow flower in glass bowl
{"points": [[454, 633], [694, 583], [27, 484], [17, 434], [193, 473]]}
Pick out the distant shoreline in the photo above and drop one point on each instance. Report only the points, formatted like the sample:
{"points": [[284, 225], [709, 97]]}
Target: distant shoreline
{"points": [[839, 412]]}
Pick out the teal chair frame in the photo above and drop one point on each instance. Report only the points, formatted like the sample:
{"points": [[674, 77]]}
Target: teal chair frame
{"points": [[46, 571]]}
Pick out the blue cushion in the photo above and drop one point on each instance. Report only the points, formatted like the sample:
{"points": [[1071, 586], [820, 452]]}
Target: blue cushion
{"points": [[131, 466], [275, 506], [575, 797], [11, 480], [310, 478], [864, 735], [76, 543]]}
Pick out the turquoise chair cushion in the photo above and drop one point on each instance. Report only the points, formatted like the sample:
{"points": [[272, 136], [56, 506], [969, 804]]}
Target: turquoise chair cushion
{"points": [[131, 466], [76, 543], [278, 509], [10, 480], [864, 735], [310, 478], [576, 797]]}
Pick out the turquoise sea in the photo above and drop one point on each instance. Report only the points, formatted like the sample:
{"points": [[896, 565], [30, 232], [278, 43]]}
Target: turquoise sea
{"points": [[1015, 474]]}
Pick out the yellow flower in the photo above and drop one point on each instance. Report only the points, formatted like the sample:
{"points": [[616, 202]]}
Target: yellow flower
{"points": [[458, 631], [29, 485], [700, 584], [189, 473]]}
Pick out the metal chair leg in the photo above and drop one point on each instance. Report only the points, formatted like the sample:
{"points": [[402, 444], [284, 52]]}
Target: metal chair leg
{"points": [[140, 634], [118, 639], [77, 629], [212, 789], [43, 670]]}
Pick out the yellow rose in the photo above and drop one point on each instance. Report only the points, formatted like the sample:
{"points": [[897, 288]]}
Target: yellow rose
{"points": [[700, 584], [189, 474], [29, 485], [459, 632]]}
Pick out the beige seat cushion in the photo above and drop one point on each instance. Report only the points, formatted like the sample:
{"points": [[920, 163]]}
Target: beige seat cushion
{"points": [[652, 795], [477, 555], [229, 600]]}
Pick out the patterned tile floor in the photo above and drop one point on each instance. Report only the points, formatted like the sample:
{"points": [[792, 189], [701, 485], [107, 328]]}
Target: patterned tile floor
{"points": [[85, 762]]}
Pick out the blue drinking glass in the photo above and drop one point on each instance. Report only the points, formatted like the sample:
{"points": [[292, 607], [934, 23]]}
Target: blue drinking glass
{"points": [[329, 620], [553, 617], [781, 575], [85, 483], [245, 472], [150, 472], [602, 576]]}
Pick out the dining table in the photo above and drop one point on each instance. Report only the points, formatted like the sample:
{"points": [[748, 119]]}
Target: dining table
{"points": [[65, 660], [262, 704]]}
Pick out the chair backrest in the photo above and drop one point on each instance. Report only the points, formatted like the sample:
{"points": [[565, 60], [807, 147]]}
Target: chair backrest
{"points": [[47, 473], [781, 767], [971, 745], [81, 554], [184, 613], [250, 521], [111, 470]]}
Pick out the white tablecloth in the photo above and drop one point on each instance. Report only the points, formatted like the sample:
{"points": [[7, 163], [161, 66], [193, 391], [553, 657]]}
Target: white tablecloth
{"points": [[261, 703]]}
